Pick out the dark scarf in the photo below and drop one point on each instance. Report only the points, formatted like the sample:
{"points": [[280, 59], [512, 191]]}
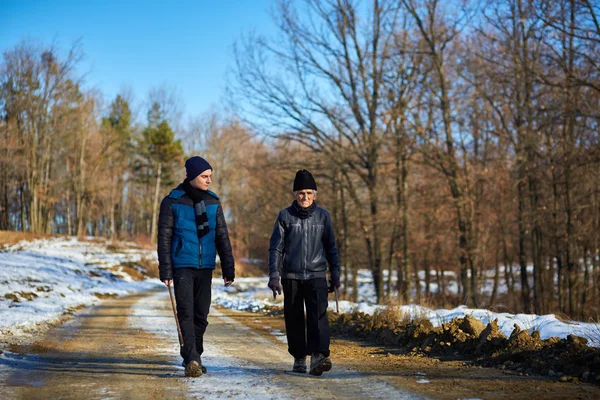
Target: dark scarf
{"points": [[199, 208], [304, 213]]}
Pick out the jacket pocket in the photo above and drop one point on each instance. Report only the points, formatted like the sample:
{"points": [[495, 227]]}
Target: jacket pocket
{"points": [[178, 248]]}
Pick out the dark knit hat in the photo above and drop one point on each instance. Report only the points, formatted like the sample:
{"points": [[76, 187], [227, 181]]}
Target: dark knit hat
{"points": [[195, 166], [304, 180]]}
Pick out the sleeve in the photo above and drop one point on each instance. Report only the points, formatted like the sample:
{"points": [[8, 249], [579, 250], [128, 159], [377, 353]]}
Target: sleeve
{"points": [[276, 246], [165, 234], [223, 245], [331, 251]]}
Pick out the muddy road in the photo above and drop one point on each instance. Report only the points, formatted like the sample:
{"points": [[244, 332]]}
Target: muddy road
{"points": [[127, 348]]}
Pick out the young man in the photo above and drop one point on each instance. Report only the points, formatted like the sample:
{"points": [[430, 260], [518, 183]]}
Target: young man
{"points": [[191, 230], [301, 245]]}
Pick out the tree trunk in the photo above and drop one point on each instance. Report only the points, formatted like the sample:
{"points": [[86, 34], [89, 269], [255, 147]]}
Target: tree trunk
{"points": [[82, 213], [345, 258], [584, 289], [405, 289], [439, 279], [595, 277], [426, 266], [354, 282], [439, 271], [525, 290], [24, 208], [153, 233], [496, 272], [375, 240], [4, 210], [415, 264], [388, 289], [69, 220], [113, 201]]}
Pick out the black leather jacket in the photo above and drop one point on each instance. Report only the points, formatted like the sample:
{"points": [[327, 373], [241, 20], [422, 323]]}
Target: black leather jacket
{"points": [[299, 248]]}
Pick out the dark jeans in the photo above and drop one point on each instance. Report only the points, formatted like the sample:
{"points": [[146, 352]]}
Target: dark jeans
{"points": [[192, 292], [310, 335]]}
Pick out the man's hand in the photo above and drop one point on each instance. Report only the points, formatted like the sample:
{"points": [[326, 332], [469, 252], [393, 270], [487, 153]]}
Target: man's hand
{"points": [[168, 282], [227, 281], [275, 286], [334, 283]]}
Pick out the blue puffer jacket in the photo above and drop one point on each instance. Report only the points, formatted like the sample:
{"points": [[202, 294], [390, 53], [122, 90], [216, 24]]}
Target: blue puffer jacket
{"points": [[178, 243]]}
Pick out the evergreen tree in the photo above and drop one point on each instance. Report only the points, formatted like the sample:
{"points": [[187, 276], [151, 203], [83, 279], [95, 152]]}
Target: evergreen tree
{"points": [[117, 126], [159, 155]]}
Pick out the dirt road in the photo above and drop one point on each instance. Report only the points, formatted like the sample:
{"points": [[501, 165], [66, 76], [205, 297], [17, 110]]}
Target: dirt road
{"points": [[127, 348]]}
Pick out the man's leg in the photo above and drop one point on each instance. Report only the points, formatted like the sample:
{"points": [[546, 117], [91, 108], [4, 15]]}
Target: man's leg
{"points": [[202, 297], [184, 294], [293, 310], [317, 325]]}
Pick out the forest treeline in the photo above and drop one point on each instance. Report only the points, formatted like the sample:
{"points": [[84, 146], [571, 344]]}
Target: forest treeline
{"points": [[455, 144]]}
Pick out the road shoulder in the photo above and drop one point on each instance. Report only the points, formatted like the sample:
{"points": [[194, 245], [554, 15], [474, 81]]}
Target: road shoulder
{"points": [[427, 376]]}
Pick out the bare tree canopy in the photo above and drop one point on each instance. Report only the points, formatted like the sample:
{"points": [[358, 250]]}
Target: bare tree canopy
{"points": [[456, 145]]}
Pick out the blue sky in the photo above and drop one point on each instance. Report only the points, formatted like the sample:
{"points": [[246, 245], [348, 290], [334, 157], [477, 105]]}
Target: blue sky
{"points": [[143, 43]]}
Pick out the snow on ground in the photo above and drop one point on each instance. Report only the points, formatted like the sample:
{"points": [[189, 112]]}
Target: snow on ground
{"points": [[43, 279], [252, 294], [229, 377]]}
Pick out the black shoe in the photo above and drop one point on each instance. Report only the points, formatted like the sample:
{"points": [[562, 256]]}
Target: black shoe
{"points": [[299, 365], [319, 364]]}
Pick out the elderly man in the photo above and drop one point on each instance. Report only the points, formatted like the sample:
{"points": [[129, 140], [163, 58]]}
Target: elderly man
{"points": [[301, 245], [191, 230]]}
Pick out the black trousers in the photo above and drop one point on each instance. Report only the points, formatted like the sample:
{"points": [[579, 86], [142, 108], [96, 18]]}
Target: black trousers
{"points": [[310, 335], [192, 292]]}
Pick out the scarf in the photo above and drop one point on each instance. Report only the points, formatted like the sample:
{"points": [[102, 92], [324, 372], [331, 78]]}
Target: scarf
{"points": [[199, 208], [304, 213]]}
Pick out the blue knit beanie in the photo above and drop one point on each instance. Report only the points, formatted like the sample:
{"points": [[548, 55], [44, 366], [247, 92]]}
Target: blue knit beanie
{"points": [[194, 166]]}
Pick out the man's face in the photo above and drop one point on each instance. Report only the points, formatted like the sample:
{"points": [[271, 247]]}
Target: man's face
{"points": [[203, 180], [305, 197]]}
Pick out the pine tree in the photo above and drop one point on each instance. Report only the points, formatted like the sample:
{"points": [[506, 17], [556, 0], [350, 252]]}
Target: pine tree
{"points": [[117, 126], [159, 154]]}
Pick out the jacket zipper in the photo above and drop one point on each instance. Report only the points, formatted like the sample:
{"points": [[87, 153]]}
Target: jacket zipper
{"points": [[305, 248]]}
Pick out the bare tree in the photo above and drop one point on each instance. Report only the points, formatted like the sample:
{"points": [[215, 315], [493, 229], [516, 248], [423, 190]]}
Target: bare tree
{"points": [[36, 84], [321, 85], [435, 119]]}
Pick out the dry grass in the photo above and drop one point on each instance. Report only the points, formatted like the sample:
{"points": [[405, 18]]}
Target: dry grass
{"points": [[149, 266], [595, 335], [139, 270], [396, 302], [143, 241], [17, 348], [388, 316], [41, 347], [250, 270], [8, 238], [103, 296], [12, 297]]}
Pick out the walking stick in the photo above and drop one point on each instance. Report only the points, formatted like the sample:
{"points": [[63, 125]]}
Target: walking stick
{"points": [[175, 314], [337, 306]]}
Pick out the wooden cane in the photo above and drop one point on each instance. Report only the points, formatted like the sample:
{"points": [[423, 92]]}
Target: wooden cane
{"points": [[175, 314], [337, 306]]}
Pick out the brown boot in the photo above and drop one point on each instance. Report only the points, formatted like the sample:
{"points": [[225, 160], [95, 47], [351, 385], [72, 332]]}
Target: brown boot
{"points": [[193, 370], [319, 364], [202, 367]]}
